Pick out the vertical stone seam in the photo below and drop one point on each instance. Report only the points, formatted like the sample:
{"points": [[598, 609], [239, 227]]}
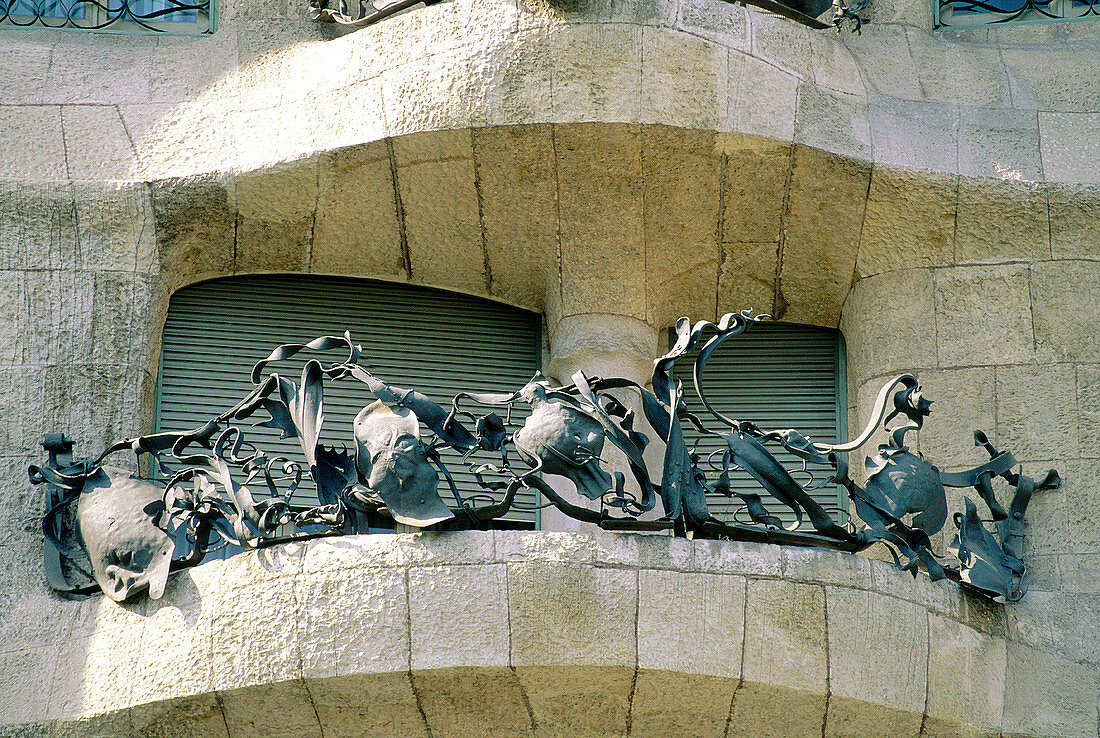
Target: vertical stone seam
{"points": [[862, 222], [646, 312], [408, 629], [399, 209], [828, 661], [1008, 77], [1044, 184], [302, 660], [723, 168], [487, 270], [955, 220], [64, 141], [778, 303], [313, 215], [511, 664], [927, 671], [130, 138], [637, 660], [221, 711], [744, 645], [557, 210], [1031, 312], [936, 313]]}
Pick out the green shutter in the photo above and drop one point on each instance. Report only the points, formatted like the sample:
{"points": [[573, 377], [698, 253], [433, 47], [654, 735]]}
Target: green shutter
{"points": [[436, 342], [777, 376]]}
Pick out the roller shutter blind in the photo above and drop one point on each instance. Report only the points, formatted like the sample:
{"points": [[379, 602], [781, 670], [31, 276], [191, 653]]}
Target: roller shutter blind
{"points": [[777, 376], [437, 342]]}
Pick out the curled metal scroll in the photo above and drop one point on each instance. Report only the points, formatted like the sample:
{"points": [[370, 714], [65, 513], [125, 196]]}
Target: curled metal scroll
{"points": [[211, 487]]}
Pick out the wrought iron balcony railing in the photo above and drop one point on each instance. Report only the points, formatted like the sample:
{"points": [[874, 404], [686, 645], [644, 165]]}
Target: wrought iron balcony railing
{"points": [[114, 16], [988, 13]]}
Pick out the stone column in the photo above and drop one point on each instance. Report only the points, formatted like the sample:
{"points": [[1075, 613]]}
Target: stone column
{"points": [[603, 345]]}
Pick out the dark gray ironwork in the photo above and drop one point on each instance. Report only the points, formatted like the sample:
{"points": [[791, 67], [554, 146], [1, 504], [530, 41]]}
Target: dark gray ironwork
{"points": [[209, 487], [184, 16], [359, 13], [849, 12], [970, 13]]}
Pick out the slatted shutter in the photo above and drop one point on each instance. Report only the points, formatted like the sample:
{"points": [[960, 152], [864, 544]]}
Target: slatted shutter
{"points": [[436, 342], [777, 376]]}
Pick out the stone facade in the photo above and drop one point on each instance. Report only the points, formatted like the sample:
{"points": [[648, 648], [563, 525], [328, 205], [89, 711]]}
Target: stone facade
{"points": [[611, 165]]}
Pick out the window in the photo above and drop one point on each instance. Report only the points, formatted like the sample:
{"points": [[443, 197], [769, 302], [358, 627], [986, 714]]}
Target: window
{"points": [[964, 13], [114, 16], [436, 342], [777, 376]]}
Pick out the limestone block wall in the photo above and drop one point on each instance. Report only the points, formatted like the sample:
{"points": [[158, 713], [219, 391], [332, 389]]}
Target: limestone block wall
{"points": [[542, 634]]}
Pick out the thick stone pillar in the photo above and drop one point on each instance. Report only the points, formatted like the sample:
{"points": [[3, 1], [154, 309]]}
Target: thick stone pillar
{"points": [[602, 345]]}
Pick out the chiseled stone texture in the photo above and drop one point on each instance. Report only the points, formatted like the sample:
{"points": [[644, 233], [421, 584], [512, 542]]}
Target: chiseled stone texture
{"points": [[517, 633]]}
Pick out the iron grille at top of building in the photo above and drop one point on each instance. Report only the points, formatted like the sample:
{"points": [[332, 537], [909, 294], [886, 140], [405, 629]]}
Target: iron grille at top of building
{"points": [[185, 17], [990, 13]]}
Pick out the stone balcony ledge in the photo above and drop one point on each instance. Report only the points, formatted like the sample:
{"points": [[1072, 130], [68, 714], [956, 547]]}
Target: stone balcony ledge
{"points": [[535, 633]]}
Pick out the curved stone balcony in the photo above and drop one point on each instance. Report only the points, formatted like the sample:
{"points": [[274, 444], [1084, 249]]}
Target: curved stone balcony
{"points": [[517, 633]]}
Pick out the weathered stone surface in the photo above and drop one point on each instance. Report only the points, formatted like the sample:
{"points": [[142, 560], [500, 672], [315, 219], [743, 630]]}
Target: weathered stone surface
{"points": [[833, 121], [276, 208], [877, 646], [691, 623], [383, 705], [175, 650], [754, 188], [271, 708], [966, 674], [105, 71], [199, 716], [473, 702], [779, 712], [850, 717], [1036, 406], [1036, 86], [1000, 220], [26, 62], [912, 134], [681, 176], [999, 144], [25, 679], [578, 700], [40, 157], [668, 703], [361, 617], [965, 403], [1073, 211], [898, 339], [825, 567], [817, 264], [983, 315], [511, 80], [834, 66], [596, 72], [1048, 695], [738, 557], [516, 178], [97, 146], [602, 224], [38, 226], [563, 615], [763, 98], [970, 74], [726, 24], [684, 80], [781, 44], [436, 181], [254, 643], [910, 221], [746, 276], [1070, 142], [1067, 310], [448, 631], [357, 230], [785, 638], [195, 225]]}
